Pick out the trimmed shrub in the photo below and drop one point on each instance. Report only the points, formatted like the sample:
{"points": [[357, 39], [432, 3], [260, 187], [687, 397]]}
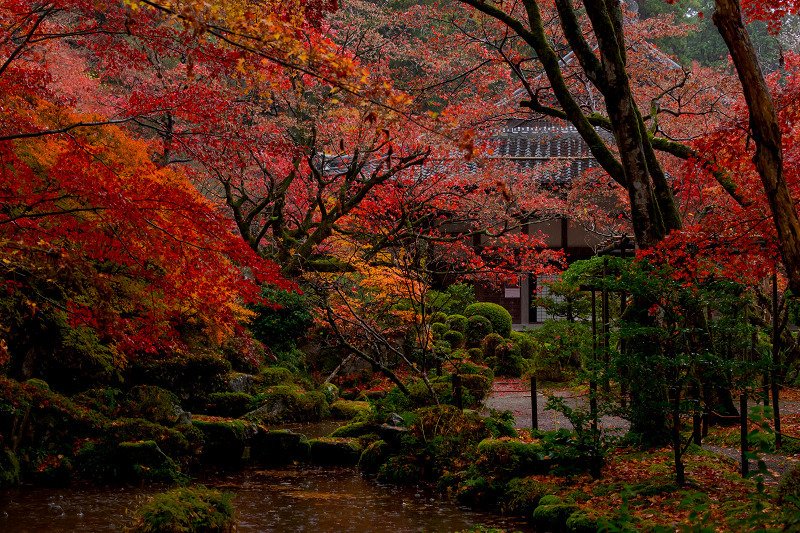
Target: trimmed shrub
{"points": [[439, 330], [438, 317], [490, 343], [186, 509], [497, 315], [475, 355], [527, 346], [455, 338], [457, 323], [478, 327]]}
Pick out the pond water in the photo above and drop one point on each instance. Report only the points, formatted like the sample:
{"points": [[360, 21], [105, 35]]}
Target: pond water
{"points": [[301, 499]]}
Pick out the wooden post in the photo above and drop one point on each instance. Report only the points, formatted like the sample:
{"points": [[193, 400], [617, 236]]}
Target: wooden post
{"points": [[593, 378], [776, 361], [743, 417], [534, 405], [606, 326]]}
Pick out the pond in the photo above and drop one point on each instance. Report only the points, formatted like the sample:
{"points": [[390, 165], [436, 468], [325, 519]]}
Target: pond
{"points": [[301, 499]]}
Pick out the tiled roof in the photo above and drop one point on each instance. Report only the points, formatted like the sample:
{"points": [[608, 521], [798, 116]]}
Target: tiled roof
{"points": [[538, 142]]}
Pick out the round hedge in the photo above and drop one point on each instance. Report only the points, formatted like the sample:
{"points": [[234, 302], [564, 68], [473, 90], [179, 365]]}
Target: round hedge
{"points": [[478, 327], [497, 315], [457, 323], [455, 338]]}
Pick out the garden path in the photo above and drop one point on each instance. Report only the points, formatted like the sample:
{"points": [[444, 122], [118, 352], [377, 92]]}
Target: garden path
{"points": [[515, 396]]}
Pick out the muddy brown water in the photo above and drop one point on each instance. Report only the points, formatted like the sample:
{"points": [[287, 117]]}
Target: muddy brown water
{"points": [[292, 499]]}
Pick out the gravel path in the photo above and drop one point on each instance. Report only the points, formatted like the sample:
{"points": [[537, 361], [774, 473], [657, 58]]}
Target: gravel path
{"points": [[515, 396]]}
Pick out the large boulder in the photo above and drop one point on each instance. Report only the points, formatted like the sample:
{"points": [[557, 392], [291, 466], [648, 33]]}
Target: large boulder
{"points": [[278, 447], [224, 440], [328, 451]]}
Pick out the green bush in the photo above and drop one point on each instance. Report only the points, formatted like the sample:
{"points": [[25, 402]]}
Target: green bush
{"points": [[497, 315], [788, 491], [475, 355], [182, 373], [522, 495], [188, 510], [279, 327], [455, 338], [478, 327], [228, 404], [527, 346], [457, 323], [9, 469], [452, 300], [490, 343], [439, 330], [559, 349], [438, 317], [151, 403]]}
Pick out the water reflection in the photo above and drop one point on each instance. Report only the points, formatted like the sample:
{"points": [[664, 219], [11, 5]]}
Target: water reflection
{"points": [[300, 499]]}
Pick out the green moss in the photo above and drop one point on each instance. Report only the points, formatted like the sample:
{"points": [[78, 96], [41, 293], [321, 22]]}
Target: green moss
{"points": [[186, 509], [356, 429], [9, 469], [349, 409], [522, 495], [402, 469], [554, 516], [224, 440], [283, 403], [228, 404], [327, 451], [582, 521], [499, 317], [789, 487], [275, 375], [373, 457], [279, 447], [506, 458], [152, 403], [144, 462]]}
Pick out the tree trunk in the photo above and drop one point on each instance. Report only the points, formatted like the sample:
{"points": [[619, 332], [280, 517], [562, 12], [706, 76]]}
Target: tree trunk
{"points": [[766, 134]]}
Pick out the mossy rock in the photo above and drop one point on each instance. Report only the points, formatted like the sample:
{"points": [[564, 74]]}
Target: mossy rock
{"points": [[654, 487], [186, 509], [9, 469], [152, 403], [522, 495], [223, 440], [582, 521], [499, 317], [507, 458], [279, 446], [373, 457], [283, 403], [349, 409], [354, 430], [144, 462], [330, 391], [341, 452], [228, 404], [275, 375], [554, 516]]}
